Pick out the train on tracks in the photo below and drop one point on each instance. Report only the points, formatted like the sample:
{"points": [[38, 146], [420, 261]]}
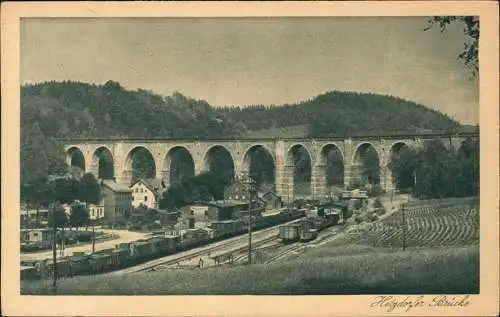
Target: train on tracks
{"points": [[158, 245], [307, 228]]}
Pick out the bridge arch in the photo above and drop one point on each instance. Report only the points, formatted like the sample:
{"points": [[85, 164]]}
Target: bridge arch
{"points": [[258, 162], [139, 163], [330, 167], [103, 163], [178, 164], [75, 159], [218, 160], [467, 148], [400, 176], [298, 166], [366, 165]]}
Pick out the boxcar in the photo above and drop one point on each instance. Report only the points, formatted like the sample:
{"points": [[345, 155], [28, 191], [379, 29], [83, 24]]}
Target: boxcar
{"points": [[78, 264], [99, 262], [28, 273], [141, 249], [308, 235], [289, 233]]}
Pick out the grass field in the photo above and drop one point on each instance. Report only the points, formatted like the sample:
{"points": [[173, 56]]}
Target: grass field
{"points": [[442, 257], [421, 271]]}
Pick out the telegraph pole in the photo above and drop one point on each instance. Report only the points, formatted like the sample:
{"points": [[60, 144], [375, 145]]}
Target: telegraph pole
{"points": [[249, 181], [54, 251], [404, 226], [250, 226], [93, 237]]}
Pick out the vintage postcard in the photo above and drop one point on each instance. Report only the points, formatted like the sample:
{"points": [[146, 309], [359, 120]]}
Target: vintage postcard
{"points": [[250, 159]]}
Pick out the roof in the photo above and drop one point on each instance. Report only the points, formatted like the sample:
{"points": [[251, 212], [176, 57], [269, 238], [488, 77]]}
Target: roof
{"points": [[153, 184], [228, 203], [116, 187]]}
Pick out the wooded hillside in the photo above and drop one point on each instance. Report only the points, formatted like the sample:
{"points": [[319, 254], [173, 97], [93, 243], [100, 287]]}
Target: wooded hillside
{"points": [[53, 110]]}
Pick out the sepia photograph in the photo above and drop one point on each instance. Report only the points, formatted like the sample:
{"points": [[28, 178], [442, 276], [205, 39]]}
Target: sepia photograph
{"points": [[251, 155]]}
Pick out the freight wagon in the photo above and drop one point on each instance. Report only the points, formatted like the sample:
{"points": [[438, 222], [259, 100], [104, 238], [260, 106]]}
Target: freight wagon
{"points": [[128, 254]]}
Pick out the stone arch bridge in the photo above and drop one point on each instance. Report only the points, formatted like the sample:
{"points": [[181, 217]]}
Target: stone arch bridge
{"points": [[163, 151]]}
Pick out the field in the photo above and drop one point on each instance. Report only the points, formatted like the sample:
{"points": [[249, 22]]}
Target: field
{"points": [[419, 271], [425, 227]]}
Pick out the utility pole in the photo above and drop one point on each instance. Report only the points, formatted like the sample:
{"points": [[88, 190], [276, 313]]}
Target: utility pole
{"points": [[93, 238], [54, 247], [247, 179], [404, 226]]}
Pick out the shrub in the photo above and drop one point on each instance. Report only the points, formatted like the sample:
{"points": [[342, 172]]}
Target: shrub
{"points": [[380, 211], [373, 191], [358, 219], [357, 203], [371, 216]]}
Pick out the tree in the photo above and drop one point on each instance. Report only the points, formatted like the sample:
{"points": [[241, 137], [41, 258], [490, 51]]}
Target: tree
{"points": [[403, 165], [66, 190], [470, 54], [33, 156], [57, 212], [89, 189], [79, 215], [151, 215]]}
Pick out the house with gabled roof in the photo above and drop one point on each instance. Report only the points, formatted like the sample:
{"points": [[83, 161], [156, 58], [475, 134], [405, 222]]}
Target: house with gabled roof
{"points": [[147, 192]]}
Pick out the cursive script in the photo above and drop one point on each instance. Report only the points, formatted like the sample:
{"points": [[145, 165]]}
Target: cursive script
{"points": [[407, 303]]}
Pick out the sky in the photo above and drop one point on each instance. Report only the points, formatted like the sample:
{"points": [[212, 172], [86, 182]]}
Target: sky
{"points": [[248, 61]]}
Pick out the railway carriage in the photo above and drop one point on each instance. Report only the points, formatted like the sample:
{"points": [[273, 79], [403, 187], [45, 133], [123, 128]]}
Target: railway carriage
{"points": [[99, 262], [289, 233], [28, 273]]}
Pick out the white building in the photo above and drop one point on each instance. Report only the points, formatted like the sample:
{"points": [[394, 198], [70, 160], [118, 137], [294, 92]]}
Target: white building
{"points": [[96, 211], [147, 192]]}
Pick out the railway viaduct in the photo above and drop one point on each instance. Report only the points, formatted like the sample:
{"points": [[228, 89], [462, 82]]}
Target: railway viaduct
{"points": [[164, 151]]}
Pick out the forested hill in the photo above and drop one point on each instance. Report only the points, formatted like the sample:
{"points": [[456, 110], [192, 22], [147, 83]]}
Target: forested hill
{"points": [[344, 114], [53, 110], [71, 109]]}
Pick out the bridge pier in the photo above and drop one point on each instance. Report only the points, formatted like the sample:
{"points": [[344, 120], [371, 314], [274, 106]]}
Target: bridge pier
{"points": [[318, 181]]}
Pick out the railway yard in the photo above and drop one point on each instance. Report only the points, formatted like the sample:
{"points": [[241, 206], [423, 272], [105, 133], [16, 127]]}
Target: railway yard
{"points": [[267, 247], [430, 225], [376, 246]]}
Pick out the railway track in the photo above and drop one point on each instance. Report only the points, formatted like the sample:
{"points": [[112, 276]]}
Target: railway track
{"points": [[284, 251], [205, 250], [238, 250]]}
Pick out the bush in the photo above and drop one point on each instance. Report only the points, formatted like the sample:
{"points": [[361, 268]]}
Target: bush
{"points": [[358, 219], [380, 211], [371, 217], [84, 236], [373, 191], [357, 203]]}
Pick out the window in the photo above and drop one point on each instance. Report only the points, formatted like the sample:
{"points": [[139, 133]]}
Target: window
{"points": [[236, 196], [145, 198], [242, 197], [137, 190], [132, 198]]}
